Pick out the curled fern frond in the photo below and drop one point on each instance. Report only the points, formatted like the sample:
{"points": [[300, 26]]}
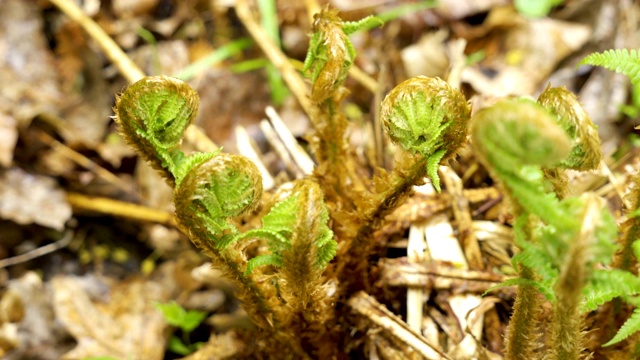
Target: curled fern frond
{"points": [[152, 115], [214, 190], [619, 60], [585, 143], [330, 53], [427, 116], [513, 139]]}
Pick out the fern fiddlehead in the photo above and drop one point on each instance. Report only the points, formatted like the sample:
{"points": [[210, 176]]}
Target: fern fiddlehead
{"points": [[585, 153], [514, 138], [331, 53], [222, 187], [212, 188], [426, 116], [152, 115], [573, 119], [300, 242]]}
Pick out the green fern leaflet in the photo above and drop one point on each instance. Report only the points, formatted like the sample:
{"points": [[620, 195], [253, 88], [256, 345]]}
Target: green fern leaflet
{"points": [[622, 61]]}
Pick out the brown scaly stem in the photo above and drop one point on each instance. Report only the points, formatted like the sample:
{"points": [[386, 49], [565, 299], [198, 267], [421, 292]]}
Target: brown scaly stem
{"points": [[522, 331], [353, 267]]}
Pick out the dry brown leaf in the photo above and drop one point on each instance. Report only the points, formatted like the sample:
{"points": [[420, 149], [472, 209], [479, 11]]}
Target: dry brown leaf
{"points": [[128, 8], [124, 324], [457, 9], [8, 138], [28, 78], [39, 335], [26, 67], [166, 57], [528, 50], [221, 346], [427, 56], [26, 199]]}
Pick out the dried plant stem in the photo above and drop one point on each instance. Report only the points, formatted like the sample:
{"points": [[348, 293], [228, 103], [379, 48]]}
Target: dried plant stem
{"points": [[119, 58], [381, 317], [127, 68], [119, 208], [36, 253], [299, 155], [294, 81], [84, 161], [462, 213]]}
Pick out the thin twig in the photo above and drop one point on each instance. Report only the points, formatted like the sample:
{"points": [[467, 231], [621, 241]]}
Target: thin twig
{"points": [[119, 58], [302, 159], [85, 162], [462, 214], [380, 316], [36, 253], [280, 149], [119, 208], [294, 81], [614, 182], [127, 68], [246, 149]]}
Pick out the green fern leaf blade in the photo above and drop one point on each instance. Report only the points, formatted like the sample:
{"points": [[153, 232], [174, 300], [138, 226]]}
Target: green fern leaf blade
{"points": [[327, 249], [631, 300], [311, 54], [222, 242], [349, 27], [262, 260], [433, 162], [631, 326], [184, 164], [607, 285], [282, 216], [619, 60], [273, 238], [542, 288], [539, 261]]}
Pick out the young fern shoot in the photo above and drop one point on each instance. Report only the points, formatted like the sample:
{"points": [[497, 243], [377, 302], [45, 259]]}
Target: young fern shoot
{"points": [[331, 53], [152, 116], [513, 138], [573, 119], [585, 154], [426, 116], [212, 188], [561, 241]]}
